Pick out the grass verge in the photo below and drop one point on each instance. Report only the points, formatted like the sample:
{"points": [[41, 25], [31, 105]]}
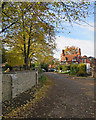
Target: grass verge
{"points": [[42, 80]]}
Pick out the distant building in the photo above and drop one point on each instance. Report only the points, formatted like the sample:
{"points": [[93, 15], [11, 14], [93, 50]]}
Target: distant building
{"points": [[76, 59]]}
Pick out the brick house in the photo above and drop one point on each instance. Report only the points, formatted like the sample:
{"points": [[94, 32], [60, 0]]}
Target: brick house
{"points": [[74, 58]]}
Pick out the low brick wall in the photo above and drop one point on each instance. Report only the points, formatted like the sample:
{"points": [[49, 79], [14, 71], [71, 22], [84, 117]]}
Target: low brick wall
{"points": [[0, 89], [6, 87], [14, 84]]}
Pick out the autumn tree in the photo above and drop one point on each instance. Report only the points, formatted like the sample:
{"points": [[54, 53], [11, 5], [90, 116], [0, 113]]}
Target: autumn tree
{"points": [[29, 32], [3, 55], [71, 50], [30, 25], [14, 58], [67, 11]]}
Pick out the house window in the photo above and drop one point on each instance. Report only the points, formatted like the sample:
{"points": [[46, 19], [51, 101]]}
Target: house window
{"points": [[74, 62], [83, 60], [66, 58], [63, 61], [74, 59]]}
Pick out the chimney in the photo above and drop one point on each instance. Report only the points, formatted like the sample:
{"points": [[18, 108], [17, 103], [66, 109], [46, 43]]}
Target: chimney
{"points": [[79, 51], [63, 53]]}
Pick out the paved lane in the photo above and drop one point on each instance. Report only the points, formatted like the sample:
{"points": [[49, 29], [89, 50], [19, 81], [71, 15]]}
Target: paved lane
{"points": [[67, 98]]}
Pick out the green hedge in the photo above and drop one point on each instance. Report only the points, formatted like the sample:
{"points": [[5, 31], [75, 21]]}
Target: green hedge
{"points": [[42, 79], [44, 66], [74, 69], [78, 69], [60, 67], [81, 70], [65, 67]]}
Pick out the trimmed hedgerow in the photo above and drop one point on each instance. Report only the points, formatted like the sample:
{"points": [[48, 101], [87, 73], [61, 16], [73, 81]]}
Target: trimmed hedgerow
{"points": [[78, 69], [74, 69], [60, 67], [43, 79], [65, 67], [81, 70]]}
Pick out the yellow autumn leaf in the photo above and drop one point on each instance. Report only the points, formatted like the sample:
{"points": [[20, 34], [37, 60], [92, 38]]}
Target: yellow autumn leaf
{"points": [[38, 2], [31, 13], [84, 16]]}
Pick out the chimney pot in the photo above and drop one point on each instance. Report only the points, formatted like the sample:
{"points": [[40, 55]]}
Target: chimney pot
{"points": [[63, 53], [79, 51]]}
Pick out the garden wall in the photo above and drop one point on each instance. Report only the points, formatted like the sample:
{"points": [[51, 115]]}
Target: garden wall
{"points": [[14, 84]]}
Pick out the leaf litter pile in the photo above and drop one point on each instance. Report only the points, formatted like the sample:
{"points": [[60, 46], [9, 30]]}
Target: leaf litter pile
{"points": [[25, 102]]}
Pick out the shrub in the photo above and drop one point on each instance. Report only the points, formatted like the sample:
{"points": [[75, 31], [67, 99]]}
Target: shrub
{"points": [[68, 67], [40, 70], [33, 65], [79, 70], [60, 67], [65, 67], [56, 67], [42, 79], [82, 70], [44, 66], [74, 69]]}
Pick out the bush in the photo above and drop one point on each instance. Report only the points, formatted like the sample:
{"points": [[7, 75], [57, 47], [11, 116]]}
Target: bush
{"points": [[74, 69], [56, 67], [65, 67], [42, 79], [44, 66], [81, 70], [60, 67], [40, 70], [33, 65]]}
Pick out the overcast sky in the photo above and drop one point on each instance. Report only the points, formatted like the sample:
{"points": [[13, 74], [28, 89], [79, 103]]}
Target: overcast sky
{"points": [[81, 36]]}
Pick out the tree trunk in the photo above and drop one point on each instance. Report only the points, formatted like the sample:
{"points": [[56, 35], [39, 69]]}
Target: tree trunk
{"points": [[25, 57]]}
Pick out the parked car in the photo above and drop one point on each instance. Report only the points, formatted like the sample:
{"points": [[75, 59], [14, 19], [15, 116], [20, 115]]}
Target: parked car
{"points": [[43, 70], [56, 70], [51, 70]]}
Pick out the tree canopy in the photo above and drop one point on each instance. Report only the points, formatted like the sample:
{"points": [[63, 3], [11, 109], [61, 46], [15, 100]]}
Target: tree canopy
{"points": [[71, 50], [48, 12], [29, 27]]}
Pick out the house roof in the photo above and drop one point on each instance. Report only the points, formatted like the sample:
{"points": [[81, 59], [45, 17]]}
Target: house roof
{"points": [[84, 56], [69, 57], [87, 61]]}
